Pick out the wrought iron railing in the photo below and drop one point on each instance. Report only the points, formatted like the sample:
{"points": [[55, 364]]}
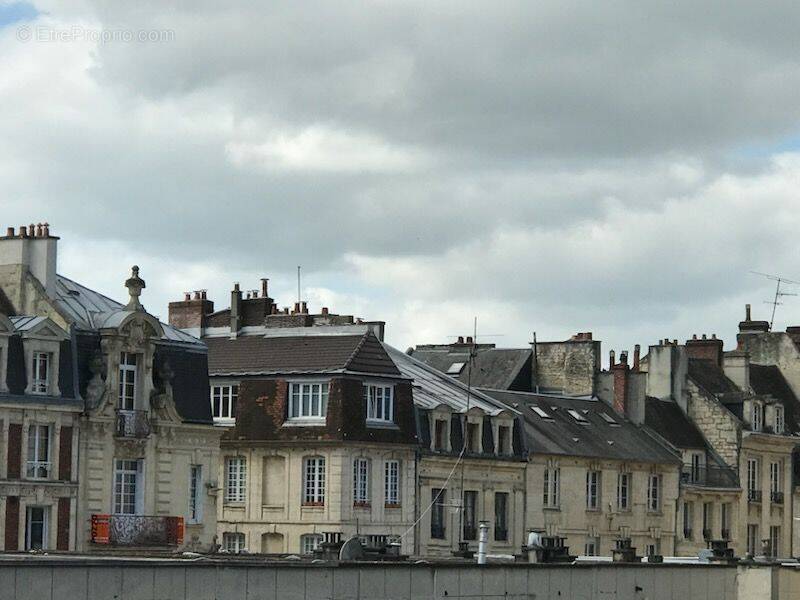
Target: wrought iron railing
{"points": [[709, 476], [137, 530], [133, 423], [754, 495], [725, 534], [776, 497], [39, 469]]}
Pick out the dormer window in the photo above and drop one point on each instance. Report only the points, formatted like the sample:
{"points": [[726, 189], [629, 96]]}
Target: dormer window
{"points": [[308, 402], [440, 434], [780, 419], [380, 403], [127, 381], [503, 440], [473, 439], [757, 417], [41, 373]]}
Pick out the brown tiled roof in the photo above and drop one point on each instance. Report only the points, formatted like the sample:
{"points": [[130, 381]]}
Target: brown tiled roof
{"points": [[298, 354]]}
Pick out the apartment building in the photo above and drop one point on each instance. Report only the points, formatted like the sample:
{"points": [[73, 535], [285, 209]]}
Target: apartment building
{"points": [[106, 411]]}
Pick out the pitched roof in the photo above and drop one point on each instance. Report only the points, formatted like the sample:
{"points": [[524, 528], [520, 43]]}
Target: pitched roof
{"points": [[431, 388], [91, 310], [667, 419], [582, 427], [768, 380], [275, 355], [495, 368], [710, 376]]}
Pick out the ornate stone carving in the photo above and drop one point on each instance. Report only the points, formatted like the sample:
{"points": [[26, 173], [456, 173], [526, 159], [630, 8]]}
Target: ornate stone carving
{"points": [[97, 385], [135, 285]]}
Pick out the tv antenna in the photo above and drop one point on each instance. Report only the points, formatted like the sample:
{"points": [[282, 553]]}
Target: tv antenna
{"points": [[778, 293]]}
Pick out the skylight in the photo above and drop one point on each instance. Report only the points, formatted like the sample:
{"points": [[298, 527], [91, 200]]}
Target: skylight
{"points": [[455, 368], [608, 418], [577, 416], [540, 412]]}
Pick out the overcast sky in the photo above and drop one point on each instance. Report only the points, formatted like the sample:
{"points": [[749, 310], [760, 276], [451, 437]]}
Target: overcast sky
{"points": [[549, 166]]}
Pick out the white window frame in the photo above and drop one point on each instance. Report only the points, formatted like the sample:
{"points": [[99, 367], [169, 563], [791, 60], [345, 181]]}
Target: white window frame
{"points": [[592, 546], [391, 483], [226, 395], [780, 419], [308, 402], [593, 479], [361, 481], [40, 382], [654, 487], [45, 527], [233, 542], [314, 472], [757, 416], [552, 487], [40, 451], [624, 480], [753, 474], [775, 468], [505, 449], [128, 492], [235, 479], [379, 406], [752, 539], [195, 514], [310, 542], [128, 376]]}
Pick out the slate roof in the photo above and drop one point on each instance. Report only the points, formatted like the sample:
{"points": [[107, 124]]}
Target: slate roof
{"points": [[667, 419], [559, 433], [710, 376], [276, 355], [494, 368], [26, 322], [768, 380], [91, 310]]}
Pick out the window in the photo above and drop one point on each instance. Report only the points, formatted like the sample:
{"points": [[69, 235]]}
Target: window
{"points": [[195, 498], [233, 542], [39, 452], [688, 518], [128, 487], [455, 368], [624, 491], [314, 481], [780, 419], [235, 479], [774, 479], [593, 490], [654, 492], [592, 547], [391, 483], [725, 520], [578, 416], [757, 417], [127, 381], [652, 549], [551, 487], [541, 412], [309, 542], [380, 402], [753, 491], [503, 439], [697, 471], [609, 419], [752, 539], [440, 437], [361, 481], [223, 401], [36, 518], [774, 540], [708, 520], [501, 517], [470, 523], [41, 373], [473, 439], [438, 499], [308, 401]]}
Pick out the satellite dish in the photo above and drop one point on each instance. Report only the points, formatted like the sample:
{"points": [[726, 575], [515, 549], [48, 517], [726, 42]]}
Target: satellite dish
{"points": [[352, 549]]}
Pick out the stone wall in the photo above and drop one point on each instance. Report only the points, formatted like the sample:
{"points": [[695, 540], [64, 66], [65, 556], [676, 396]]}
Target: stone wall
{"points": [[568, 366], [718, 425]]}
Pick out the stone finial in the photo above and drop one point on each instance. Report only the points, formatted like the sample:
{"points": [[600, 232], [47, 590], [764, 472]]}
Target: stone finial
{"points": [[135, 285]]}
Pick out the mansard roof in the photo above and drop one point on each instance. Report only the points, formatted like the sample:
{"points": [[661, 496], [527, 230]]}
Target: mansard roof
{"points": [[582, 427], [767, 380], [493, 368], [299, 354]]}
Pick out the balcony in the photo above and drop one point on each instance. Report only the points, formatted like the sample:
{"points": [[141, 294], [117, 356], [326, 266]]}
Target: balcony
{"points": [[754, 495], [776, 497], [137, 530], [709, 476], [39, 469], [132, 424]]}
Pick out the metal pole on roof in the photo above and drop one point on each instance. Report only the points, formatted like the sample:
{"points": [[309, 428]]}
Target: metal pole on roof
{"points": [[298, 284], [535, 363], [466, 426]]}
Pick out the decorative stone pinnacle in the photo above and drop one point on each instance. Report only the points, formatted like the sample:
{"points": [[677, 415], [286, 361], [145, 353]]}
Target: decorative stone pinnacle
{"points": [[135, 285]]}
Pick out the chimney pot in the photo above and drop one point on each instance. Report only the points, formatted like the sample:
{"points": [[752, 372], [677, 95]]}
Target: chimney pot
{"points": [[674, 342], [32, 230], [325, 310], [612, 356], [10, 231], [187, 296], [469, 339], [304, 307], [460, 339], [23, 231], [694, 336], [47, 230], [236, 287], [713, 336], [264, 286], [203, 294], [704, 336], [636, 351], [196, 295], [746, 312], [623, 357]]}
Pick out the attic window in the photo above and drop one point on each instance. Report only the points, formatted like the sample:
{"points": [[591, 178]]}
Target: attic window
{"points": [[578, 416], [455, 368], [541, 412], [608, 419]]}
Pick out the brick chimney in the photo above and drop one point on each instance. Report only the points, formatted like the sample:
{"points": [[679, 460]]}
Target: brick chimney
{"points": [[705, 348], [191, 312], [31, 250], [621, 373], [236, 310]]}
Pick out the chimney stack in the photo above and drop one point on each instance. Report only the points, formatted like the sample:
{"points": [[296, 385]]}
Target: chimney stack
{"points": [[33, 250], [324, 311], [190, 313], [264, 287], [636, 351], [708, 348], [612, 359], [236, 310]]}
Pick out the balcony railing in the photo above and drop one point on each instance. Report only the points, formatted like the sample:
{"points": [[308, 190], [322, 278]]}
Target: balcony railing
{"points": [[133, 424], [754, 495], [709, 476], [725, 534], [39, 469], [776, 497], [137, 530], [706, 534]]}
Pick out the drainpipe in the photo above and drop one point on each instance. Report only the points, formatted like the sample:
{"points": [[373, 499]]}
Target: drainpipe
{"points": [[483, 541]]}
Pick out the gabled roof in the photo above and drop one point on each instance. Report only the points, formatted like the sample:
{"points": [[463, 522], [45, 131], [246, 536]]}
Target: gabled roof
{"points": [[307, 354], [91, 310], [710, 376], [582, 427], [768, 380], [494, 368], [669, 421], [431, 388]]}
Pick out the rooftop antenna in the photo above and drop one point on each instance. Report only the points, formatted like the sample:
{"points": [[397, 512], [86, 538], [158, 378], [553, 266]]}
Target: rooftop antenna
{"points": [[298, 284], [535, 362], [466, 427], [778, 293]]}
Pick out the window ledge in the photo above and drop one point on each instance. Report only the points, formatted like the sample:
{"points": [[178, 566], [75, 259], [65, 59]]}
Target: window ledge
{"points": [[313, 505], [273, 506], [224, 422], [375, 424], [363, 505], [392, 505], [234, 503], [304, 422], [553, 508]]}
